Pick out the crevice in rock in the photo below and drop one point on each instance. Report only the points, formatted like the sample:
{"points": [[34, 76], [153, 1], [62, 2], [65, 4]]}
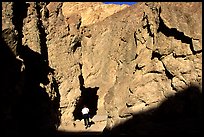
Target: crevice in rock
{"points": [[44, 11], [129, 105], [19, 13], [168, 74], [141, 39], [130, 91], [10, 38], [155, 71], [145, 17], [141, 100], [42, 35], [126, 115], [58, 8], [178, 56], [77, 45], [176, 34], [88, 97], [172, 86], [136, 55], [79, 24], [68, 27], [156, 55], [123, 39], [137, 67], [135, 37]]}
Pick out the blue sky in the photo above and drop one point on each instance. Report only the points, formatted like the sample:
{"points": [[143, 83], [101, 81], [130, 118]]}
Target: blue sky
{"points": [[120, 3]]}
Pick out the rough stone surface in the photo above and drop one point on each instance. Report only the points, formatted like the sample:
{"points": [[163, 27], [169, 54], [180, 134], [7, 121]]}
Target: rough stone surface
{"points": [[142, 61], [90, 12]]}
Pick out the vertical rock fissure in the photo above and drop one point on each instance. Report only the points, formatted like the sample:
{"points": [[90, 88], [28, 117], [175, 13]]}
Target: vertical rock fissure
{"points": [[76, 45], [148, 25], [19, 13], [42, 35], [168, 74], [135, 38]]}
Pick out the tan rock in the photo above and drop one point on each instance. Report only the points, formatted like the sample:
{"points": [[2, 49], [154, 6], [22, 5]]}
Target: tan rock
{"points": [[90, 12], [138, 56]]}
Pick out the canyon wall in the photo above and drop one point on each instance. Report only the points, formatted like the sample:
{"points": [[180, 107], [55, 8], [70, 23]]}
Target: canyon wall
{"points": [[119, 60]]}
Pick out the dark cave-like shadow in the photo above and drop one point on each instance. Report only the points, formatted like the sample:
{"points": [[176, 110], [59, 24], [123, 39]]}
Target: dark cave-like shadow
{"points": [[30, 111], [88, 97], [26, 106], [10, 74], [19, 13], [36, 108]]}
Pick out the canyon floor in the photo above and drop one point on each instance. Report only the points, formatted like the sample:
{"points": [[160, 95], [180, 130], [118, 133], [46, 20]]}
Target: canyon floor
{"points": [[98, 123]]}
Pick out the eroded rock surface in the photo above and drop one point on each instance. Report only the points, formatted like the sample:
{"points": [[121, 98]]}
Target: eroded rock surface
{"points": [[120, 60]]}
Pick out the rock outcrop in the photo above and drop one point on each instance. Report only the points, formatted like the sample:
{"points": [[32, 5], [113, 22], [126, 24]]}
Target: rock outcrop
{"points": [[90, 12], [119, 60]]}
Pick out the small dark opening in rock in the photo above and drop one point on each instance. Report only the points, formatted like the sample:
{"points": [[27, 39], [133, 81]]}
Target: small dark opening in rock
{"points": [[77, 45], [89, 98], [156, 55]]}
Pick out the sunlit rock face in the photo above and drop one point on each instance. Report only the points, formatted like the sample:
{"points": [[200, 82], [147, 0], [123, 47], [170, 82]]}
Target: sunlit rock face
{"points": [[90, 12], [121, 60]]}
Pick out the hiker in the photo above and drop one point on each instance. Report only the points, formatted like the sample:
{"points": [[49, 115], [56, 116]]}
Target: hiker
{"points": [[85, 113]]}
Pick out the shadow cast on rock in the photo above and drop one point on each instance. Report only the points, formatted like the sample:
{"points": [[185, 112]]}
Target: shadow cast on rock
{"points": [[27, 109], [180, 114]]}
